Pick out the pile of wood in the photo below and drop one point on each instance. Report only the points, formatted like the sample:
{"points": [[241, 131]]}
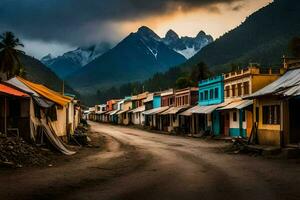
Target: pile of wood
{"points": [[15, 152]]}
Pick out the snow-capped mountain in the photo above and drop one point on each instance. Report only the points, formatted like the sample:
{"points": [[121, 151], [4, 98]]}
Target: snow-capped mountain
{"points": [[187, 46], [73, 60], [135, 58]]}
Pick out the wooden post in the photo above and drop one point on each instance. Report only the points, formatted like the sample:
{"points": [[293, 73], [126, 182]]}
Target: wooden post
{"points": [[5, 115]]}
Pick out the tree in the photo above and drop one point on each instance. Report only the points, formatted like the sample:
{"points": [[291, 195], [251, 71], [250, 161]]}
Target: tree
{"points": [[199, 72], [183, 82], [294, 46], [10, 63]]}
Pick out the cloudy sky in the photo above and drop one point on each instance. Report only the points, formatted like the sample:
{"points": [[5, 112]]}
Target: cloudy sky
{"points": [[55, 26]]}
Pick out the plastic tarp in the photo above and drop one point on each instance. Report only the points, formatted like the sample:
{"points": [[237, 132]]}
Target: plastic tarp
{"points": [[47, 93], [18, 84], [43, 102], [55, 140], [11, 91], [156, 110], [286, 85]]}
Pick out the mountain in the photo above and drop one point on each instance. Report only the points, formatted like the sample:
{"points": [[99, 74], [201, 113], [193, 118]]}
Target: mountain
{"points": [[262, 38], [136, 58], [71, 61], [37, 72], [187, 46]]}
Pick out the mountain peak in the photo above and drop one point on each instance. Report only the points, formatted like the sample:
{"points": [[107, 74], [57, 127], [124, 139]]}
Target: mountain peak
{"points": [[172, 34], [201, 34], [146, 32]]}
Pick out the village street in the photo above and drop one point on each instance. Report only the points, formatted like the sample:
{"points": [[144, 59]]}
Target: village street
{"points": [[137, 164]]}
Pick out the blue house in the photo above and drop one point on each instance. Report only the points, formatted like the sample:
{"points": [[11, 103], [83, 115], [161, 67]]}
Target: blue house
{"points": [[211, 95], [211, 91]]}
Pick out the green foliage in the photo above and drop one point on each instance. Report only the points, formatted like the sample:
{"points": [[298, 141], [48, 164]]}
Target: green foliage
{"points": [[183, 82], [294, 46], [9, 59]]}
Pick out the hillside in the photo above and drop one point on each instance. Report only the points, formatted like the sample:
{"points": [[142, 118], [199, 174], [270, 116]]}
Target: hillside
{"points": [[262, 38], [38, 72]]}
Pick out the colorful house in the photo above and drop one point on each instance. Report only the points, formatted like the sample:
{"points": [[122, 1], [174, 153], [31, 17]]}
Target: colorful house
{"points": [[277, 107], [203, 116], [152, 117], [236, 118], [184, 99], [124, 116]]}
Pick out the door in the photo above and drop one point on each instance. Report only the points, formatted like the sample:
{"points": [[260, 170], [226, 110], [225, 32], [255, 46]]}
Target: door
{"points": [[249, 121], [225, 123]]}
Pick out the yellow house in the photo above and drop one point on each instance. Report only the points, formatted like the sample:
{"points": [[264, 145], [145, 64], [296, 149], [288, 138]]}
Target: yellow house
{"points": [[276, 110], [239, 84]]}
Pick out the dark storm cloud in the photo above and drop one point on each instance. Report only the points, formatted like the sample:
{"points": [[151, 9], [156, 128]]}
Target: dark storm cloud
{"points": [[77, 21]]}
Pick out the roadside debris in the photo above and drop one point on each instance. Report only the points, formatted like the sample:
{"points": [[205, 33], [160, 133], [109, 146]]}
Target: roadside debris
{"points": [[240, 146], [16, 153]]}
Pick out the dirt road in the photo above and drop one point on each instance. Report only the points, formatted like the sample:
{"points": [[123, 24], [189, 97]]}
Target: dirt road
{"points": [[140, 165]]}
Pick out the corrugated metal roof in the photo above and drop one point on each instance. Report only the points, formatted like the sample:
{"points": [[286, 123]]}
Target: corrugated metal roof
{"points": [[188, 112], [139, 109], [149, 98], [155, 110], [237, 105], [286, 85], [208, 109], [175, 110]]}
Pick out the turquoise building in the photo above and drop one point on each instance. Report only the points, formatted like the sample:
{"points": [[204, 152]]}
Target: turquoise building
{"points": [[211, 92]]}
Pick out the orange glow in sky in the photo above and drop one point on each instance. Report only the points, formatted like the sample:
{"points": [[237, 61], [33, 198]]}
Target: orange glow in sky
{"points": [[189, 23]]}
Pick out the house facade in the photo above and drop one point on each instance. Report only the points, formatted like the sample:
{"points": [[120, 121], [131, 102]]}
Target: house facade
{"points": [[184, 99], [237, 117], [276, 109]]}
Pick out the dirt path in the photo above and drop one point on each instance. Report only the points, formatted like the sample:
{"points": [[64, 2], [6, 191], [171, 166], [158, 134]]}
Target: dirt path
{"points": [[141, 165]]}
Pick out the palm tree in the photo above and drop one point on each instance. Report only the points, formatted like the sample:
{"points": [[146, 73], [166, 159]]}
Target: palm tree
{"points": [[10, 63]]}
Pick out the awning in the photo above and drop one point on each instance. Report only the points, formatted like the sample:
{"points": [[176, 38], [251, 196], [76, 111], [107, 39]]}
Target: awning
{"points": [[138, 109], [122, 111], [11, 91], [208, 109], [113, 112], [149, 98], [47, 93], [188, 112], [155, 110], [237, 105], [175, 110]]}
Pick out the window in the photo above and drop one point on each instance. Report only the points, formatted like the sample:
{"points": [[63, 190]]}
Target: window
{"points": [[211, 94], [271, 114], [206, 95], [227, 89], [186, 101], [257, 114], [201, 96], [125, 115], [239, 88], [233, 90], [234, 116], [246, 88], [216, 93]]}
